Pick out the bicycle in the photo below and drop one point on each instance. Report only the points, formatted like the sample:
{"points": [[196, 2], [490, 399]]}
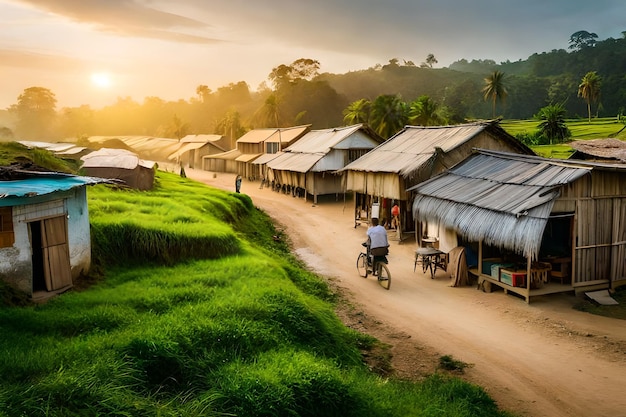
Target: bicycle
{"points": [[365, 265]]}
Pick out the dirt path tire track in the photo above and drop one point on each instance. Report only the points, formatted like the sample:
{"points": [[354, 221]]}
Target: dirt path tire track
{"points": [[538, 359]]}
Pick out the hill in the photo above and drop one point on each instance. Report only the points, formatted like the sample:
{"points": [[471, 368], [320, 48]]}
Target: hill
{"points": [[234, 327]]}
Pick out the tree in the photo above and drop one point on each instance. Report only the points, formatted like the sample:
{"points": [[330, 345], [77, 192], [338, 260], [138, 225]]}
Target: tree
{"points": [[269, 113], [495, 89], [178, 128], [203, 92], [357, 112], [36, 113], [553, 125], [388, 115], [430, 60], [230, 125], [582, 39], [300, 69], [77, 122], [425, 112], [589, 89]]}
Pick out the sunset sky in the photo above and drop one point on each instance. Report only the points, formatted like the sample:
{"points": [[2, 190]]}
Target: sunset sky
{"points": [[93, 51]]}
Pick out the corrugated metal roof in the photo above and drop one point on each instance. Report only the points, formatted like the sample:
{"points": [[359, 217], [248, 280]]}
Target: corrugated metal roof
{"points": [[322, 141], [204, 138], [111, 158], [47, 184], [296, 162], [265, 158], [247, 157], [256, 136], [288, 134], [186, 147], [503, 199], [228, 155], [313, 146], [410, 148]]}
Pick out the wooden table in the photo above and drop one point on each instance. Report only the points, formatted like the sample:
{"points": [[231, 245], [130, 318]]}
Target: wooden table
{"points": [[431, 259]]}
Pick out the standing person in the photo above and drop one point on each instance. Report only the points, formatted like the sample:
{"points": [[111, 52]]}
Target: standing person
{"points": [[377, 242], [395, 216], [238, 183]]}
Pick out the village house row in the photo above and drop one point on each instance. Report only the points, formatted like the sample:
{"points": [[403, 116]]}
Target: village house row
{"points": [[530, 225]]}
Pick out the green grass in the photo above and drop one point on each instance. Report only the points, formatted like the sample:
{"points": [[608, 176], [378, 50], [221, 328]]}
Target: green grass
{"points": [[11, 152], [239, 331], [613, 311], [581, 130], [179, 220]]}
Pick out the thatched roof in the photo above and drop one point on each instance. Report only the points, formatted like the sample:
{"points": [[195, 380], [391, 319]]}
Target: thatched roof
{"points": [[414, 146], [602, 148], [500, 198]]}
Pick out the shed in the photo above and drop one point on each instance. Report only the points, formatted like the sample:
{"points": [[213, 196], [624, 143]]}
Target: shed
{"points": [[413, 155], [313, 163], [602, 150], [45, 241], [120, 164], [192, 148], [542, 219], [221, 162]]}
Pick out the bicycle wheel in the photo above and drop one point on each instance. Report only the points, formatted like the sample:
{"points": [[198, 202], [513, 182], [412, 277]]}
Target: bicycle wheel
{"points": [[384, 276], [361, 265]]}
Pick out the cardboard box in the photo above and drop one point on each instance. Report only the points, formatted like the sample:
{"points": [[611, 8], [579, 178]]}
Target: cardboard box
{"points": [[513, 278]]}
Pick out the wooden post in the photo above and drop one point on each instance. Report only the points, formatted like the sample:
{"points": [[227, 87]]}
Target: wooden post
{"points": [[528, 278]]}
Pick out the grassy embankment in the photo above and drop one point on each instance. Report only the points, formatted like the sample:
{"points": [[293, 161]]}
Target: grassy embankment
{"points": [[200, 312], [581, 130]]}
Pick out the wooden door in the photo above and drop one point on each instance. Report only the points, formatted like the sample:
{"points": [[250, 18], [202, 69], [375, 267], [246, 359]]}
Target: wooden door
{"points": [[56, 254]]}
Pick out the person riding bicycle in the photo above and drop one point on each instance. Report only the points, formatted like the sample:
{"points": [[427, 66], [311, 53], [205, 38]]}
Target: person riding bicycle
{"points": [[377, 243]]}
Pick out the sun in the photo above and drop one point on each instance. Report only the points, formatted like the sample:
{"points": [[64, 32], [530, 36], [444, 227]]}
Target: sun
{"points": [[101, 79]]}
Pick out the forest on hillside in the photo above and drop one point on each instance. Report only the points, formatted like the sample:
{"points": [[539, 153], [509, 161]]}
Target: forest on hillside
{"points": [[394, 94]]}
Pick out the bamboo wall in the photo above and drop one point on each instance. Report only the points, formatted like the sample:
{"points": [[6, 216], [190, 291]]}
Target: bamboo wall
{"points": [[600, 240]]}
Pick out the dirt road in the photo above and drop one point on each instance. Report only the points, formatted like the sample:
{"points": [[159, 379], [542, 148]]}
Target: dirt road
{"points": [[538, 359]]}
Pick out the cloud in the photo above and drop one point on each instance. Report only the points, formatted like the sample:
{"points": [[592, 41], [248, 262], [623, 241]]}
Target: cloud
{"points": [[129, 18], [23, 59]]}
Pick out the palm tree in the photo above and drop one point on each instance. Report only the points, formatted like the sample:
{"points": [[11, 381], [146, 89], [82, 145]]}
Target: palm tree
{"points": [[357, 112], [495, 89], [589, 89], [425, 112], [203, 92], [269, 114], [230, 125], [553, 123], [388, 115]]}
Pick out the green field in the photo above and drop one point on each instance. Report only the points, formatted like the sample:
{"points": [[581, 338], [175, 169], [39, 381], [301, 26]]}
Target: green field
{"points": [[581, 130]]}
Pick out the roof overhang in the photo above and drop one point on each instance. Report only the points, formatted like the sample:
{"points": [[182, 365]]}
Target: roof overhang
{"points": [[503, 200]]}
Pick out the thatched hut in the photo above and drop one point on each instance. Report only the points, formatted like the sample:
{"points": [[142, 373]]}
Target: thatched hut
{"points": [[601, 150], [313, 164], [540, 220], [413, 155]]}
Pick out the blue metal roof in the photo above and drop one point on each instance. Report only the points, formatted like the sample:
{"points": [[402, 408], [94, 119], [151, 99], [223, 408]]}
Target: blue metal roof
{"points": [[42, 185]]}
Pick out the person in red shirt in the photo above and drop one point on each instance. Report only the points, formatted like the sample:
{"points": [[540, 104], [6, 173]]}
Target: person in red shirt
{"points": [[395, 216]]}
